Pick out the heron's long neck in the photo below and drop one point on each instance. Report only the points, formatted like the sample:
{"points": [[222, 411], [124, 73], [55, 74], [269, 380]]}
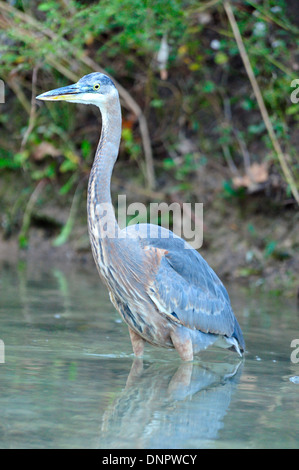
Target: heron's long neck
{"points": [[99, 206], [118, 258]]}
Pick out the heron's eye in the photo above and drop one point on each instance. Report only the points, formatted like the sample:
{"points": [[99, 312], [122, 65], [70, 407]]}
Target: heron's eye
{"points": [[97, 86]]}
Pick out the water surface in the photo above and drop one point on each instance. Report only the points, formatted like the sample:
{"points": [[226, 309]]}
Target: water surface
{"points": [[70, 380]]}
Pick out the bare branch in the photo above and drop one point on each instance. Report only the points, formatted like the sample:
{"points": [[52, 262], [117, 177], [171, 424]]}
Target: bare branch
{"points": [[281, 157]]}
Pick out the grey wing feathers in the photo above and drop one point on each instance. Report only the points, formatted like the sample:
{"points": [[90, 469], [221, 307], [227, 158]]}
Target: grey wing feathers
{"points": [[186, 288], [195, 307]]}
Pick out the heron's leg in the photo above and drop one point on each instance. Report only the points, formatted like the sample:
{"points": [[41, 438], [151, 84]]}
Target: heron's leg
{"points": [[137, 343], [181, 379], [135, 372], [182, 343]]}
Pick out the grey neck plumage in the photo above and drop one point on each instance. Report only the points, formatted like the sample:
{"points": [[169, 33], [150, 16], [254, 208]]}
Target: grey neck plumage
{"points": [[101, 215], [112, 252], [106, 154]]}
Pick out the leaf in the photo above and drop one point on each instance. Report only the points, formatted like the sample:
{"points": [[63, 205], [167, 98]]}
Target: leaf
{"points": [[248, 104], [194, 67], [221, 58], [209, 86], [293, 109], [68, 185], [72, 157], [9, 163], [23, 241], [257, 128], [67, 165], [168, 163], [270, 248], [45, 6], [45, 149], [127, 135], [85, 148], [256, 174], [157, 103]]}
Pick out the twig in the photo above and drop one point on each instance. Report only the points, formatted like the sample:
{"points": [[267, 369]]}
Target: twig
{"points": [[229, 160], [281, 157], [67, 228], [16, 88], [225, 148], [33, 109], [28, 212], [244, 151], [268, 16], [62, 69], [208, 5]]}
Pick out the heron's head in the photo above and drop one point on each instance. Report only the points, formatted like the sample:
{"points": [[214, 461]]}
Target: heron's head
{"points": [[95, 88]]}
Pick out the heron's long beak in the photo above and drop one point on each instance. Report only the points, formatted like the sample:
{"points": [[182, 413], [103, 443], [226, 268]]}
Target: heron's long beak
{"points": [[66, 93]]}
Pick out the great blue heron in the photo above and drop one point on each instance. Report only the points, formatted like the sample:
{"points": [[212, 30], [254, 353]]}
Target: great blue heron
{"points": [[163, 289]]}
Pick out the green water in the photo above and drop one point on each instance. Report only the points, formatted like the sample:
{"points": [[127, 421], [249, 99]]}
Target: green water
{"points": [[70, 380]]}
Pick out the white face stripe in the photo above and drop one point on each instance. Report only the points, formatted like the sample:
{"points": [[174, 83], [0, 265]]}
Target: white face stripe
{"points": [[88, 98]]}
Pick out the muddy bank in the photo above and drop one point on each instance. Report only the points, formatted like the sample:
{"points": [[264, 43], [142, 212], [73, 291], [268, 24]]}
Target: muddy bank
{"points": [[250, 241]]}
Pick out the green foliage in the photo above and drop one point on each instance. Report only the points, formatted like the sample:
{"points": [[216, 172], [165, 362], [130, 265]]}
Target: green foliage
{"points": [[207, 96], [132, 147]]}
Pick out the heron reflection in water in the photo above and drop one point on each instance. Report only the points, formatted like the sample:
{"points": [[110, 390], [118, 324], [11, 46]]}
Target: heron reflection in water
{"points": [[164, 406], [163, 289]]}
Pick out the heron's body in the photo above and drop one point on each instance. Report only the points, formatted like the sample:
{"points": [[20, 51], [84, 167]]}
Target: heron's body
{"points": [[163, 289]]}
